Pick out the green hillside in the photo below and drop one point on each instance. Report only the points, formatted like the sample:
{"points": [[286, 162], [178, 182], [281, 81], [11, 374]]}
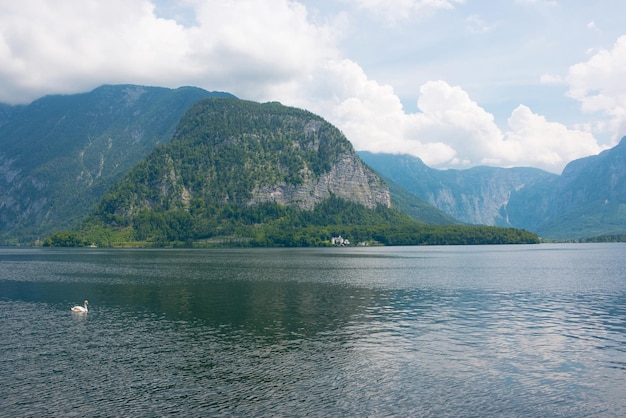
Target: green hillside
{"points": [[230, 172]]}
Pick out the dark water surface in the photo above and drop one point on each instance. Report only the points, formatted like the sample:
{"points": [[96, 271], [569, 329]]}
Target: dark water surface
{"points": [[406, 331]]}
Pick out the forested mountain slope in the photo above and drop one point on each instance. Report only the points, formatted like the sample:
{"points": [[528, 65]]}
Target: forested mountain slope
{"points": [[241, 162]]}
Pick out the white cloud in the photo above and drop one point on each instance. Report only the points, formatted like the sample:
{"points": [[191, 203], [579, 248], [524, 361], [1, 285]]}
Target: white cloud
{"points": [[598, 84], [592, 26], [449, 130], [551, 79], [394, 10], [534, 141], [68, 45], [449, 116], [244, 46], [272, 50], [476, 24]]}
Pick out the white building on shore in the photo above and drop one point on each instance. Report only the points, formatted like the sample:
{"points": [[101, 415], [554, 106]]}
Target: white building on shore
{"points": [[339, 241]]}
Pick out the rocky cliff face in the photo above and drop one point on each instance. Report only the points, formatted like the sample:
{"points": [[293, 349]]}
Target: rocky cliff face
{"points": [[245, 153], [348, 179], [600, 178], [588, 199], [475, 196]]}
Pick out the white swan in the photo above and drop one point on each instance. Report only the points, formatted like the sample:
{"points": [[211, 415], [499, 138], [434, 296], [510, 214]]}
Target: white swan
{"points": [[79, 308]]}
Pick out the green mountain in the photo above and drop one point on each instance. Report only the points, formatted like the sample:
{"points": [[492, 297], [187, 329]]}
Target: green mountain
{"points": [[416, 208], [60, 153], [245, 173]]}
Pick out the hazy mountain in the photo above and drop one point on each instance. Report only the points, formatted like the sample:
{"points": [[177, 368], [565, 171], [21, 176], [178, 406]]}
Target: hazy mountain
{"points": [[6, 111], [588, 199], [474, 196], [60, 153]]}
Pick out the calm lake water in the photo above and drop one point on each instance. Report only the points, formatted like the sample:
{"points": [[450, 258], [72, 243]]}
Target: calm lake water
{"points": [[406, 331]]}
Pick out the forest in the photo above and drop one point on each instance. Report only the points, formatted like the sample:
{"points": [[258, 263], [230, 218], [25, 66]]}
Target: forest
{"points": [[271, 225]]}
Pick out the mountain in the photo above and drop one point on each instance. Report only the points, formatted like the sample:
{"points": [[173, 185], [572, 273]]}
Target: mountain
{"points": [[236, 166], [245, 153], [416, 208], [6, 111], [588, 199], [60, 153], [473, 196], [246, 173], [239, 160]]}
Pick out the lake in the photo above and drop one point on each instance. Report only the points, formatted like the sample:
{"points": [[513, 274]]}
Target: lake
{"points": [[529, 330]]}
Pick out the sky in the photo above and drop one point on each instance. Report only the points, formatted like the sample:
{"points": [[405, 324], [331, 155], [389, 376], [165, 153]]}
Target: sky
{"points": [[457, 83]]}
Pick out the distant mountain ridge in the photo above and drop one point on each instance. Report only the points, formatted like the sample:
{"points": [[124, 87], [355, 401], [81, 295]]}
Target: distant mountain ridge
{"points": [[473, 196], [60, 153], [588, 199]]}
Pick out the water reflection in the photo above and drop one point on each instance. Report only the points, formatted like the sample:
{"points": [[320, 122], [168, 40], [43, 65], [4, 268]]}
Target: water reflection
{"points": [[79, 316], [287, 332]]}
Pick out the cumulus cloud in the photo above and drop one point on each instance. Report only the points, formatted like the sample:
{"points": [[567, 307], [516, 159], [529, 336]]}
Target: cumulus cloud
{"points": [[272, 50], [394, 10], [450, 130], [65, 45], [242, 46], [539, 143], [598, 84]]}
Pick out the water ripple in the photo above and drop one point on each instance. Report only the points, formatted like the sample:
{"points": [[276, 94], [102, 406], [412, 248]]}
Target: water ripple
{"points": [[205, 333]]}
